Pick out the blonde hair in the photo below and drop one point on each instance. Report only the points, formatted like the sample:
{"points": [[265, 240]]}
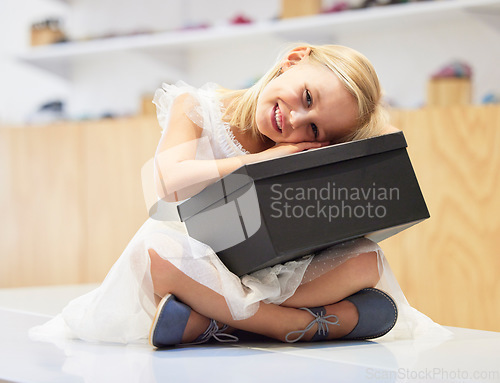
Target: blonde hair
{"points": [[352, 68]]}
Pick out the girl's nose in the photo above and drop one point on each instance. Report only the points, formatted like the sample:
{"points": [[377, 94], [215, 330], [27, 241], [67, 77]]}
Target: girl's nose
{"points": [[297, 118]]}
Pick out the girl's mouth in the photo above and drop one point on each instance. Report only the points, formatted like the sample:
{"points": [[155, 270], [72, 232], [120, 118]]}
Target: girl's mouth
{"points": [[277, 119]]}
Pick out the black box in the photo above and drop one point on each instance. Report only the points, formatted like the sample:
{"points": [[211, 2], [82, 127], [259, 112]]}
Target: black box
{"points": [[274, 211]]}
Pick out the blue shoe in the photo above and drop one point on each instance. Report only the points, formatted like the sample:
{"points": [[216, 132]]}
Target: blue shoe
{"points": [[170, 322], [377, 314]]}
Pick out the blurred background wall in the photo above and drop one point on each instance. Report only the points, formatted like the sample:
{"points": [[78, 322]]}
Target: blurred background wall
{"points": [[111, 77]]}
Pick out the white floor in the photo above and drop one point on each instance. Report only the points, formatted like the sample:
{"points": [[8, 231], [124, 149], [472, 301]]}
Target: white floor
{"points": [[470, 356]]}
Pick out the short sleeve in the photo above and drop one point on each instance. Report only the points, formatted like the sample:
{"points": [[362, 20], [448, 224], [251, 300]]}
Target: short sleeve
{"points": [[199, 107]]}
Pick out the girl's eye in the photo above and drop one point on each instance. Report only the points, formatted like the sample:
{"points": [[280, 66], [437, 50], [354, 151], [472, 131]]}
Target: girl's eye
{"points": [[315, 130], [308, 98], [309, 103]]}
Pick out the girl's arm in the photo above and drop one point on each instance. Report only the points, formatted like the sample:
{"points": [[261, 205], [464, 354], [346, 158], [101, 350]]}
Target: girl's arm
{"points": [[178, 175]]}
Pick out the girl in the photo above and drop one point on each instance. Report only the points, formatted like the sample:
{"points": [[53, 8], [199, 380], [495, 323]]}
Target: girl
{"points": [[173, 289]]}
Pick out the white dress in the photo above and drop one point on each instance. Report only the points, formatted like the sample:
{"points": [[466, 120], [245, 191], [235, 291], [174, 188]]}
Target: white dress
{"points": [[122, 307]]}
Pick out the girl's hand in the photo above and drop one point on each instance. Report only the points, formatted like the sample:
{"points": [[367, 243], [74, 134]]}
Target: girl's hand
{"points": [[285, 148]]}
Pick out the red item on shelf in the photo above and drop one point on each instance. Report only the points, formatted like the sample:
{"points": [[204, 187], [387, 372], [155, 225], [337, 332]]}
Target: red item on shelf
{"points": [[241, 19], [337, 7], [455, 69]]}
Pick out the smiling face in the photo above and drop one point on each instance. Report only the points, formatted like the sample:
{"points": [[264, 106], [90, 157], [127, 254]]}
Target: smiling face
{"points": [[307, 102]]}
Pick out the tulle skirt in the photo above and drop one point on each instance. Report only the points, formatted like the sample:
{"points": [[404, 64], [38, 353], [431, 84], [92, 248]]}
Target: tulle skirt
{"points": [[122, 308]]}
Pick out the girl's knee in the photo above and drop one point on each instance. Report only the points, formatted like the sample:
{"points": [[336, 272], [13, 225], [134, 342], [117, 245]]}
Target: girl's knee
{"points": [[163, 273], [158, 264], [364, 267]]}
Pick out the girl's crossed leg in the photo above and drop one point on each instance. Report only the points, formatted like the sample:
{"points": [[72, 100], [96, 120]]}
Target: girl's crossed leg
{"points": [[271, 320]]}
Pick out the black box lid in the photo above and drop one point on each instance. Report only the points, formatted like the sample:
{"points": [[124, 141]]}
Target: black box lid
{"points": [[288, 164]]}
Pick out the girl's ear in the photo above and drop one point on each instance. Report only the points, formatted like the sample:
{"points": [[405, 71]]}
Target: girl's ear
{"points": [[295, 56]]}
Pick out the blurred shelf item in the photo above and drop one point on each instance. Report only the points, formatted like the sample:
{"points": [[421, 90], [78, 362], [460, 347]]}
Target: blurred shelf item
{"points": [[51, 57], [297, 8], [46, 32], [449, 91]]}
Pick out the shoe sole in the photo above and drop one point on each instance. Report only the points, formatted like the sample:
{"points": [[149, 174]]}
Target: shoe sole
{"points": [[162, 303]]}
